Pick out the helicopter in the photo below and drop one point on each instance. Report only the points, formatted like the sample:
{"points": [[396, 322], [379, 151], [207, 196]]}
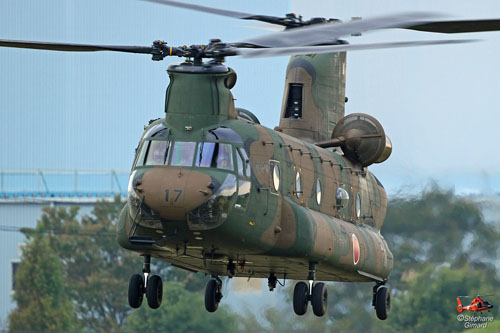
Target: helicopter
{"points": [[213, 191], [478, 304]]}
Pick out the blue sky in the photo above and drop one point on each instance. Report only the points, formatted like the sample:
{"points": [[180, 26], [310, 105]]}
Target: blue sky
{"points": [[438, 104], [69, 110]]}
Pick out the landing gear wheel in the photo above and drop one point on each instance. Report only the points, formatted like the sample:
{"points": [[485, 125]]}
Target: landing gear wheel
{"points": [[382, 302], [135, 290], [300, 298], [319, 299], [212, 295], [154, 291]]}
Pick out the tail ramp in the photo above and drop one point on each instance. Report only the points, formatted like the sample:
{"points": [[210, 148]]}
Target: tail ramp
{"points": [[314, 96]]}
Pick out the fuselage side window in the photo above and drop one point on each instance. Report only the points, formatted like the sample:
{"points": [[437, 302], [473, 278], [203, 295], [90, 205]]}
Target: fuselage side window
{"points": [[157, 153], [342, 198], [298, 185], [275, 175], [318, 191], [183, 153], [358, 206]]}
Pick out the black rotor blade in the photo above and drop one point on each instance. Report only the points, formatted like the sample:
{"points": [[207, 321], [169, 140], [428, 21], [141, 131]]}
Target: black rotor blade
{"points": [[460, 26], [302, 50], [326, 33], [222, 12], [74, 47]]}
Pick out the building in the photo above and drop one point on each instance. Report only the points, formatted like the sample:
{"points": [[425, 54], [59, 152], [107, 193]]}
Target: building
{"points": [[23, 194]]}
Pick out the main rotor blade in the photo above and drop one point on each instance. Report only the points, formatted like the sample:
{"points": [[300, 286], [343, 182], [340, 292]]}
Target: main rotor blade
{"points": [[302, 50], [326, 33], [74, 47], [222, 12], [461, 26]]}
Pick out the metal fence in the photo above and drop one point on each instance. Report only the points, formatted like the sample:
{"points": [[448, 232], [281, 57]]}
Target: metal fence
{"points": [[18, 184]]}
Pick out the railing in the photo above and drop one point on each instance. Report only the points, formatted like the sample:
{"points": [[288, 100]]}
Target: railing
{"points": [[18, 184]]}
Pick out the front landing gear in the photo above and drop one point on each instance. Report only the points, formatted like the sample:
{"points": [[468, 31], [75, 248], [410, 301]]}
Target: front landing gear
{"points": [[152, 286], [135, 291], [381, 301], [213, 294]]}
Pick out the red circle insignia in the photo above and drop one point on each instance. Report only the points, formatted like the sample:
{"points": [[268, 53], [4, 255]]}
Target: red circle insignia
{"points": [[355, 249]]}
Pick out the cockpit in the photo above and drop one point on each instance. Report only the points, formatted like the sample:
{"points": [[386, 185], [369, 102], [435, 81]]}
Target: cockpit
{"points": [[157, 149], [216, 178]]}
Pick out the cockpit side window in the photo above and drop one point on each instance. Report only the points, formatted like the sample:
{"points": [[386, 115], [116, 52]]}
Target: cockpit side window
{"points": [[142, 153], [214, 155], [245, 165], [241, 163], [183, 153], [157, 131], [225, 157], [157, 153]]}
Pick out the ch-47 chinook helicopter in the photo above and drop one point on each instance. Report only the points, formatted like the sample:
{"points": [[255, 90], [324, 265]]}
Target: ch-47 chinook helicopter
{"points": [[213, 191]]}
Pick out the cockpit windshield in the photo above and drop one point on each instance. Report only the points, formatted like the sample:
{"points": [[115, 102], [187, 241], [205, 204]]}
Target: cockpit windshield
{"points": [[157, 153], [204, 154], [214, 155], [183, 153]]}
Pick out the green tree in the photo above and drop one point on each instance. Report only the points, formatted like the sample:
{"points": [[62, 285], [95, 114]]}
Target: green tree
{"points": [[430, 303], [96, 270], [42, 303], [438, 227], [181, 311]]}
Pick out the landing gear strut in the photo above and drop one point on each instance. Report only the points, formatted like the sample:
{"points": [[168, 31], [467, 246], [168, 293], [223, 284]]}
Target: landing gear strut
{"points": [[381, 300], [317, 294], [152, 286], [213, 293]]}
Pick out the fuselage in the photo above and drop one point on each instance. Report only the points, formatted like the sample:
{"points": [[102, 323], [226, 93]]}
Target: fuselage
{"points": [[240, 192]]}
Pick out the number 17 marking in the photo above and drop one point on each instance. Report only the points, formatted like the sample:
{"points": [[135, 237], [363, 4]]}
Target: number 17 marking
{"points": [[179, 192]]}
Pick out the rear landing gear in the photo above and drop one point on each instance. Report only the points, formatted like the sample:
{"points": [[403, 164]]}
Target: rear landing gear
{"points": [[317, 294], [381, 301], [300, 298], [319, 299], [213, 294], [152, 286]]}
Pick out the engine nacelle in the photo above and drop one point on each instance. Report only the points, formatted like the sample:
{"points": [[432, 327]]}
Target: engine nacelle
{"points": [[362, 139]]}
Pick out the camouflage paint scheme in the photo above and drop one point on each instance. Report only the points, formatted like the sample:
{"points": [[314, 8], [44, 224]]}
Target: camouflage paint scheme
{"points": [[260, 229]]}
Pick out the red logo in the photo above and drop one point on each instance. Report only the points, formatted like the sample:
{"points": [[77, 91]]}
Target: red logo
{"points": [[355, 249]]}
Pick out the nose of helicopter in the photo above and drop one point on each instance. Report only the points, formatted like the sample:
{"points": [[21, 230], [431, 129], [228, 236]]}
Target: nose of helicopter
{"points": [[173, 191]]}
